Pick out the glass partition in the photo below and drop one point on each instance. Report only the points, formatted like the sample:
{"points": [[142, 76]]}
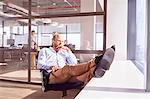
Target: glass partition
{"points": [[80, 33], [81, 26], [13, 52]]}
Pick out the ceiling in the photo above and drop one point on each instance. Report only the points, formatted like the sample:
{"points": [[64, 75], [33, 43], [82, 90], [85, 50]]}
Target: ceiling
{"points": [[19, 8], [42, 7]]}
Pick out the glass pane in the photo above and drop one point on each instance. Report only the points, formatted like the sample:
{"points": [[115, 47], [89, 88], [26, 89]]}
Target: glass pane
{"points": [[80, 33], [84, 33], [141, 33], [13, 57]]}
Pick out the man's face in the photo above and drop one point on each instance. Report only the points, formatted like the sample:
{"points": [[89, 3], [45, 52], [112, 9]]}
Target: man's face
{"points": [[33, 33], [58, 42]]}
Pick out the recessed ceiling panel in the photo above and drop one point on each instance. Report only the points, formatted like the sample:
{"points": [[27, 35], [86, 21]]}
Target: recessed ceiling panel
{"points": [[48, 7]]}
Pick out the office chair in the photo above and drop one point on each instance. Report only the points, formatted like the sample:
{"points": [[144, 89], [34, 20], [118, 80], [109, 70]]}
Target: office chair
{"points": [[58, 87]]}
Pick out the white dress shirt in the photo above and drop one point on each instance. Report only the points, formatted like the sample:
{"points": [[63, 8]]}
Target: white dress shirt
{"points": [[49, 57]]}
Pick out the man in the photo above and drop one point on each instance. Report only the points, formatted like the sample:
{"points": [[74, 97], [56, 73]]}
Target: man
{"points": [[33, 40], [63, 67], [33, 46]]}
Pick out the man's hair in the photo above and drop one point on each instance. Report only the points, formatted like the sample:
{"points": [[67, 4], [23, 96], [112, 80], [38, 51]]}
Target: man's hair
{"points": [[55, 35], [32, 31]]}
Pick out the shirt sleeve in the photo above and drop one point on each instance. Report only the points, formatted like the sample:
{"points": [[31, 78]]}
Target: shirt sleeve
{"points": [[42, 60], [71, 58]]}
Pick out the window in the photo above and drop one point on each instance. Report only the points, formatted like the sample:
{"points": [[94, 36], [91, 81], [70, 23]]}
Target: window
{"points": [[141, 36]]}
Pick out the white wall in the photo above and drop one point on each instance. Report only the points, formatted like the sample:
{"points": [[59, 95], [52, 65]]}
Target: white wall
{"points": [[117, 27]]}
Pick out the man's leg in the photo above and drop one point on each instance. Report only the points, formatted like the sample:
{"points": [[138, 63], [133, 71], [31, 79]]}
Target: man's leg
{"points": [[101, 63], [86, 77], [79, 71]]}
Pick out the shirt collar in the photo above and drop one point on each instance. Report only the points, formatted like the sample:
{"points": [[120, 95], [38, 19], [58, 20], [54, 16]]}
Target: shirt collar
{"points": [[52, 49]]}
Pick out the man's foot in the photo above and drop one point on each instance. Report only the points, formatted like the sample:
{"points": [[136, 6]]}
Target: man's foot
{"points": [[98, 58], [108, 58], [113, 47], [105, 62], [45, 79]]}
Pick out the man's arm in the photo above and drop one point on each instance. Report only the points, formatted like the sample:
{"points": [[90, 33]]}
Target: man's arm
{"points": [[42, 60], [71, 58]]}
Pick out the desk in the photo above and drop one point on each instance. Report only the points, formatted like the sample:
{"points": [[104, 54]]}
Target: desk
{"points": [[10, 54], [122, 78], [2, 56], [16, 54]]}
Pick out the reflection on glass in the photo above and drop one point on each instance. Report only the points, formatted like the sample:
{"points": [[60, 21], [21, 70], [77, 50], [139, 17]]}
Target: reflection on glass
{"points": [[141, 32]]}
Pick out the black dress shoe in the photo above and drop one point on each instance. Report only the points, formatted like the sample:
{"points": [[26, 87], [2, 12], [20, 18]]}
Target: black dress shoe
{"points": [[113, 47], [108, 58], [98, 58], [45, 79], [99, 72], [104, 63]]}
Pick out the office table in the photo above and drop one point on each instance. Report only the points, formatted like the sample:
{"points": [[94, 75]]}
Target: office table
{"points": [[121, 81]]}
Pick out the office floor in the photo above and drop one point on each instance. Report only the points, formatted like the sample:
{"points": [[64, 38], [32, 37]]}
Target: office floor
{"points": [[12, 90], [18, 71], [123, 81]]}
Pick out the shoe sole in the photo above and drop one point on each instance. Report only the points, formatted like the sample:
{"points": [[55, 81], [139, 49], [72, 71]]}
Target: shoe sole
{"points": [[107, 59], [99, 72], [105, 63]]}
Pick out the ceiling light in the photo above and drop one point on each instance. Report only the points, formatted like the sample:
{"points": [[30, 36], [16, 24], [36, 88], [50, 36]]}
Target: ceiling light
{"points": [[38, 6], [2, 3], [47, 20], [65, 1], [20, 8], [61, 25], [54, 3], [54, 24], [33, 22], [9, 15]]}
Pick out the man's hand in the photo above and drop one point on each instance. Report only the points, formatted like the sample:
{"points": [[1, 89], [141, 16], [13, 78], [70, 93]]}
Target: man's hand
{"points": [[66, 48], [63, 47], [55, 68]]}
